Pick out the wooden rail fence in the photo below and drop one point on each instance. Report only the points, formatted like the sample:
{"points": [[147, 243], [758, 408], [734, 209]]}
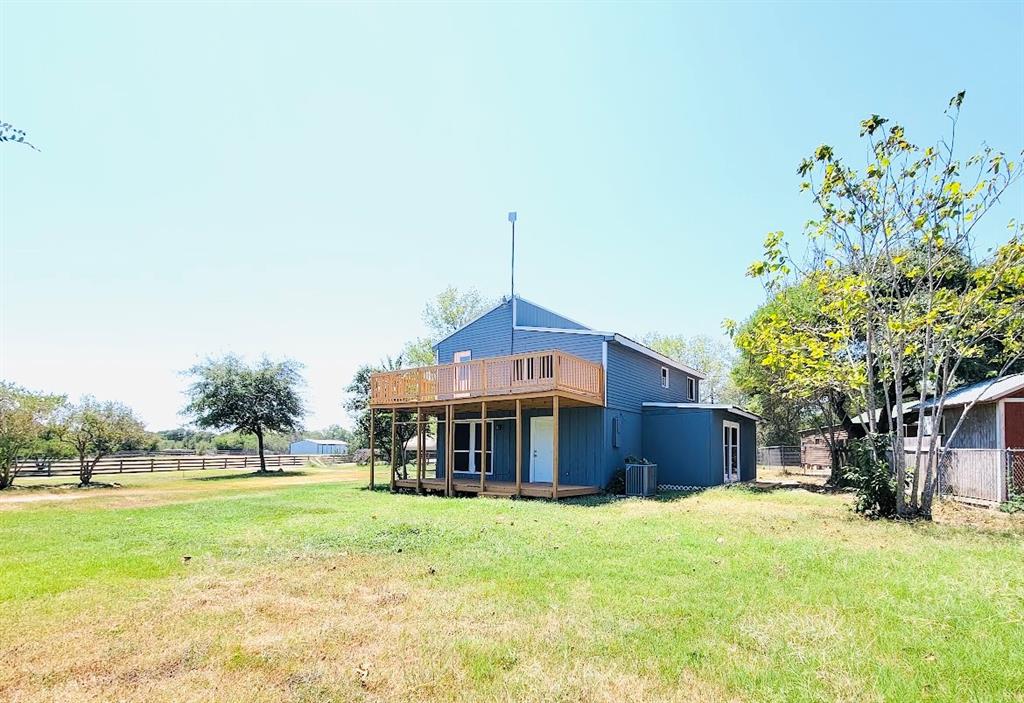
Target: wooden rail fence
{"points": [[146, 464]]}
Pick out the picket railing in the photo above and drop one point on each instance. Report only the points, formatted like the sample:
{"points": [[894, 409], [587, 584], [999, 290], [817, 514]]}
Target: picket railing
{"points": [[501, 375]]}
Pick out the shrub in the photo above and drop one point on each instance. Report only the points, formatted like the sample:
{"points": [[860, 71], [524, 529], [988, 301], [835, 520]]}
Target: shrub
{"points": [[872, 478], [1014, 505], [617, 485]]}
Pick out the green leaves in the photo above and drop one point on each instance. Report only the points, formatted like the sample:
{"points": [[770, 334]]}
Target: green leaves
{"points": [[872, 123]]}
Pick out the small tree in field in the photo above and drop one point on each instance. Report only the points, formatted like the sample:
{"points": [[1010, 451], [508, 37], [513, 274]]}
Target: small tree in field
{"points": [[229, 395], [24, 421], [95, 429]]}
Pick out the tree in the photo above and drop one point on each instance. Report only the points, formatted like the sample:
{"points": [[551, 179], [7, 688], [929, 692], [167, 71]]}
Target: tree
{"points": [[799, 377], [95, 429], [908, 297], [331, 432], [358, 404], [419, 352], [711, 356], [230, 395], [453, 309], [450, 310], [25, 420], [10, 133]]}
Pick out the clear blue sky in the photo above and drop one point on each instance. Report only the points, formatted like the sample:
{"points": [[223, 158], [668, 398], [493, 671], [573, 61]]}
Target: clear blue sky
{"points": [[298, 179]]}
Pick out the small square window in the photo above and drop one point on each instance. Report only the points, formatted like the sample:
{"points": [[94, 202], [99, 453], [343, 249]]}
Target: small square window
{"points": [[691, 388], [664, 377]]}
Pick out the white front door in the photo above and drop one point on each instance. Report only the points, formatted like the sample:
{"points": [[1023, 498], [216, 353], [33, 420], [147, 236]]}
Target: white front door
{"points": [[731, 451], [542, 448]]}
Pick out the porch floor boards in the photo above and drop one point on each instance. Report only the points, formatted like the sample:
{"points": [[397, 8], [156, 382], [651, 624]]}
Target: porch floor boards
{"points": [[503, 489]]}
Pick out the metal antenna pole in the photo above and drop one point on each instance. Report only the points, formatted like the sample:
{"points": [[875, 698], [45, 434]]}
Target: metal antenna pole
{"points": [[512, 337]]}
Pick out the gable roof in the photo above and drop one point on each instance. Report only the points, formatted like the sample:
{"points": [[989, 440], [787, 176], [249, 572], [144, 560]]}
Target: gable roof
{"points": [[986, 391], [609, 336]]}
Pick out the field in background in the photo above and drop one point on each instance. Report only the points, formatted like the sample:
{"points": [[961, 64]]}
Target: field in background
{"points": [[306, 587]]}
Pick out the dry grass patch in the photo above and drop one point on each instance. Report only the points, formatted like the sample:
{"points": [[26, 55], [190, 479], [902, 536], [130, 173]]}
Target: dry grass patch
{"points": [[322, 591]]}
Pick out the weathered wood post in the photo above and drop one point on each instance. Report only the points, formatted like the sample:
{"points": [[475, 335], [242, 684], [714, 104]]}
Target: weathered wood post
{"points": [[371, 449], [554, 457], [519, 447], [449, 451], [419, 450], [483, 445], [394, 449]]}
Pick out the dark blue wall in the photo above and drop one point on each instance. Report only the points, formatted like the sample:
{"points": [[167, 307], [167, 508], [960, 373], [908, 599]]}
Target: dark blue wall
{"points": [[581, 446], [635, 379], [686, 444], [530, 315], [491, 335]]}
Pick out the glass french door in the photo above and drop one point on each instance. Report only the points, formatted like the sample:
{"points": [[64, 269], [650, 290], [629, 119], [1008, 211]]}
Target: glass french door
{"points": [[731, 451]]}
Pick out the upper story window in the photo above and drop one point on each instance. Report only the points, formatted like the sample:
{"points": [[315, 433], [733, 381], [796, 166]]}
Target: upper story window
{"points": [[691, 388], [664, 377]]}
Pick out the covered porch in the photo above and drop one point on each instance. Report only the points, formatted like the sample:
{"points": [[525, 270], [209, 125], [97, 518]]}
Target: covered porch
{"points": [[499, 447]]}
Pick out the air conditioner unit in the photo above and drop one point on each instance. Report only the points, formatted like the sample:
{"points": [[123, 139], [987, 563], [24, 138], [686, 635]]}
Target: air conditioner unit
{"points": [[641, 479]]}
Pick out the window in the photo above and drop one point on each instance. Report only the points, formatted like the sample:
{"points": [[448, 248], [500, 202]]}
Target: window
{"points": [[664, 377], [691, 388], [468, 440]]}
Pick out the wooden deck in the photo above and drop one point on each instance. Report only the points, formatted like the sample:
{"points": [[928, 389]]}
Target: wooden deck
{"points": [[498, 489], [536, 375]]}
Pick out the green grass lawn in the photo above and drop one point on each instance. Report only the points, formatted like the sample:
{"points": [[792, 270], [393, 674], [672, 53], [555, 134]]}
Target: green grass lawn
{"points": [[308, 587]]}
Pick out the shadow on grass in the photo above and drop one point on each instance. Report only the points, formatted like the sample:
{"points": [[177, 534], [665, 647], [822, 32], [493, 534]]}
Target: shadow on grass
{"points": [[772, 486], [251, 474], [72, 486]]}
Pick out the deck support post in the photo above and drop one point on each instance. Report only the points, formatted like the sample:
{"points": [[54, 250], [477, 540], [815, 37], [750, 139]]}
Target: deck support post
{"points": [[554, 457], [447, 449], [483, 444], [394, 447], [371, 449], [519, 448], [419, 450]]}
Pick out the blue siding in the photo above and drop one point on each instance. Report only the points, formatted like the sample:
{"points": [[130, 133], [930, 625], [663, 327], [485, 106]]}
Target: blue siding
{"points": [[587, 346], [489, 335], [529, 315], [686, 444], [630, 439], [581, 448], [635, 379]]}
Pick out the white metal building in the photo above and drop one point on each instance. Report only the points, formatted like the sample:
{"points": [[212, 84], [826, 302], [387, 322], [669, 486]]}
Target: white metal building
{"points": [[318, 446]]}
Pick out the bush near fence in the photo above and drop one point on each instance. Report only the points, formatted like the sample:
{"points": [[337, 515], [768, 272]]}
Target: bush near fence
{"points": [[127, 464]]}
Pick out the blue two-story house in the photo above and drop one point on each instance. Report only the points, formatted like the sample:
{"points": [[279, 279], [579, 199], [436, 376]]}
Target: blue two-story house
{"points": [[528, 402]]}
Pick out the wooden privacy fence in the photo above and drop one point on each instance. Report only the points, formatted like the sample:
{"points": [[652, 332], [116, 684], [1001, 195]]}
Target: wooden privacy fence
{"points": [[144, 464], [501, 375]]}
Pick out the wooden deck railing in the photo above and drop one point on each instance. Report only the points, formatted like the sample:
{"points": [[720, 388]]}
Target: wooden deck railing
{"points": [[501, 375]]}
